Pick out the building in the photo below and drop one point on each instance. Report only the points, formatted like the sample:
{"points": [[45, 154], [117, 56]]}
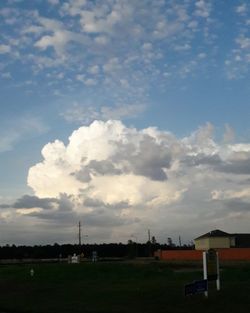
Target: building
{"points": [[230, 247], [242, 240], [217, 239]]}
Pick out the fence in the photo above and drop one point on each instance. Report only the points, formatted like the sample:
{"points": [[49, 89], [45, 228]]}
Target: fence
{"points": [[232, 254]]}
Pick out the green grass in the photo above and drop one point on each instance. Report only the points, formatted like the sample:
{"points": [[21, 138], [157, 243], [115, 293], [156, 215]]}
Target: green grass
{"points": [[118, 287]]}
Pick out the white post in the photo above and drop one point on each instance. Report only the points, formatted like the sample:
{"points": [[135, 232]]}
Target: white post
{"points": [[205, 269], [218, 272]]}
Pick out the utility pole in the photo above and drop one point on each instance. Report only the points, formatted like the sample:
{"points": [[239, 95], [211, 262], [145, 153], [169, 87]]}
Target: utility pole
{"points": [[149, 244], [79, 234], [149, 236], [180, 241]]}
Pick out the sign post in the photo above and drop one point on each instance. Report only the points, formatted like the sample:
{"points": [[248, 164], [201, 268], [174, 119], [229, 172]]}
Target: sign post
{"points": [[205, 270], [211, 267], [218, 272], [211, 272]]}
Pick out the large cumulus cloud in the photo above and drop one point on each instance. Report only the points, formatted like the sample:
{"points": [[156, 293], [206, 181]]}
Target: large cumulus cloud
{"points": [[120, 180], [108, 162]]}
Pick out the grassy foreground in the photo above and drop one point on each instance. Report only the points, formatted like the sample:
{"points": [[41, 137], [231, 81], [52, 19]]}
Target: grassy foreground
{"points": [[118, 287]]}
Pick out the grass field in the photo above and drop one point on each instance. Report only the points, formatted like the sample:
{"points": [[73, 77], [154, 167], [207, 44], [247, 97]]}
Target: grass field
{"points": [[118, 287]]}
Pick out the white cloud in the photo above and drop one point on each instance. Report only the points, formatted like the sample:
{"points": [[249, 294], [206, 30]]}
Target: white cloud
{"points": [[54, 2], [58, 41], [202, 55], [244, 42], [110, 138], [123, 180], [4, 49], [87, 81], [147, 46], [148, 176], [203, 8], [121, 42], [243, 194], [237, 65], [90, 82], [86, 114], [73, 7], [6, 75], [112, 65], [120, 112], [80, 114], [182, 47], [102, 19], [94, 69], [229, 134], [101, 40], [60, 36], [241, 9], [18, 130]]}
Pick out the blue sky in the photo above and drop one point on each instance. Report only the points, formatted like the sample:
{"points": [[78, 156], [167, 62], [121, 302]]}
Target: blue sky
{"points": [[179, 66]]}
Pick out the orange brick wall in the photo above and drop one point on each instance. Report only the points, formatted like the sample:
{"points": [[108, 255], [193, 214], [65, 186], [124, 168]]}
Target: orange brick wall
{"points": [[195, 255], [234, 254]]}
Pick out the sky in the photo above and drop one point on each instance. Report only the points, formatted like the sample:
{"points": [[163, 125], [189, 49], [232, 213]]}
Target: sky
{"points": [[126, 115]]}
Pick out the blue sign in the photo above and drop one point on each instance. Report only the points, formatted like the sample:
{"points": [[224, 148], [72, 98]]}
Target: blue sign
{"points": [[198, 286], [201, 285]]}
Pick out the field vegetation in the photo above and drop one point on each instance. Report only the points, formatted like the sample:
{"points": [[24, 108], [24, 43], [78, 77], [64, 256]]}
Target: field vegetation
{"points": [[119, 287]]}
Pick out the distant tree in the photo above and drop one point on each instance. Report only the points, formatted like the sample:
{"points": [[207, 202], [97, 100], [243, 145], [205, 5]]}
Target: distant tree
{"points": [[170, 242], [153, 240], [132, 249]]}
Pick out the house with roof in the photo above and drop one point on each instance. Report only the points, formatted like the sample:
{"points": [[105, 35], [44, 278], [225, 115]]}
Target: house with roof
{"points": [[231, 247], [218, 239]]}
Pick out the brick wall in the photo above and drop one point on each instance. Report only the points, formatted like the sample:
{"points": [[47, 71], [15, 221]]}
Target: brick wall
{"points": [[236, 254]]}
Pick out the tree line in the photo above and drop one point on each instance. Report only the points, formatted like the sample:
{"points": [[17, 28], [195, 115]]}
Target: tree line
{"points": [[110, 250]]}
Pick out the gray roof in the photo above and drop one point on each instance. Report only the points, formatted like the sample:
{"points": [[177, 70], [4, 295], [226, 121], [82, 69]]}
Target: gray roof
{"points": [[214, 233]]}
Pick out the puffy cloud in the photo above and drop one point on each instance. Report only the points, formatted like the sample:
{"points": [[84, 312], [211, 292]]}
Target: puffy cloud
{"points": [[203, 8], [59, 38], [94, 69], [85, 114], [71, 37], [114, 176], [121, 179], [119, 153], [236, 166], [4, 49], [229, 134], [19, 129], [31, 202], [237, 63], [27, 202], [54, 2], [243, 42], [242, 9]]}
